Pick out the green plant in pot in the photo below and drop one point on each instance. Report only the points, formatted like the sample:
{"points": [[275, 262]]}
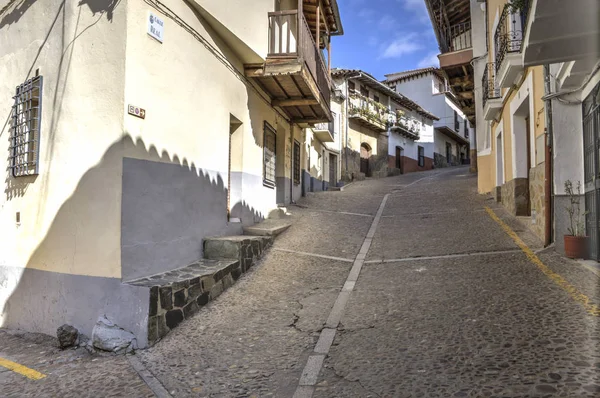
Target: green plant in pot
{"points": [[576, 240]]}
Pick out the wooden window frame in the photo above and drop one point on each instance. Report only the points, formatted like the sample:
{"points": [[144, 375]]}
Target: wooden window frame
{"points": [[267, 181], [421, 156], [297, 159]]}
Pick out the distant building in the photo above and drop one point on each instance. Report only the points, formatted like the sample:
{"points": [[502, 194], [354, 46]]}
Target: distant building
{"points": [[383, 132], [450, 143]]}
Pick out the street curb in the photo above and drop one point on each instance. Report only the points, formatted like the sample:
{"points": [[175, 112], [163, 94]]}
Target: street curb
{"points": [[151, 381]]}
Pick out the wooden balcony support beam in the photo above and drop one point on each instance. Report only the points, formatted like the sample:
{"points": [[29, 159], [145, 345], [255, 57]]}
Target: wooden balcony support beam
{"points": [[294, 102]]}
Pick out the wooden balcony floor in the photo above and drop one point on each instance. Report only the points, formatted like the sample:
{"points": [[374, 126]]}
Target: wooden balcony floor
{"points": [[293, 89]]}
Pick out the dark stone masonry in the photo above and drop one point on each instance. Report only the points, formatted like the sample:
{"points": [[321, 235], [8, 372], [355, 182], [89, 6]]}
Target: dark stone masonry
{"points": [[177, 295]]}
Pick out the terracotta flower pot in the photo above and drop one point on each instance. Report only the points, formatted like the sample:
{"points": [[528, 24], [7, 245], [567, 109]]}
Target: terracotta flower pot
{"points": [[576, 246]]}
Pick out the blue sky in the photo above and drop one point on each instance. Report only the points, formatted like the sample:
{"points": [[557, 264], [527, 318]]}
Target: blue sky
{"points": [[384, 36]]}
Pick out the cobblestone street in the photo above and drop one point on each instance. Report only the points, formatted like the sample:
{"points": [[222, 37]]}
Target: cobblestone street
{"points": [[446, 304]]}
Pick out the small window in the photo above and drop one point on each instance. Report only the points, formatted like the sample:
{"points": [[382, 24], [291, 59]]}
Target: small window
{"points": [[296, 162], [376, 98], [25, 127], [269, 141], [336, 123], [364, 91], [421, 156], [466, 129], [351, 87], [456, 122]]}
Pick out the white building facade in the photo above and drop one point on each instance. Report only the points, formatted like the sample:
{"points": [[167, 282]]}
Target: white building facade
{"points": [[453, 136]]}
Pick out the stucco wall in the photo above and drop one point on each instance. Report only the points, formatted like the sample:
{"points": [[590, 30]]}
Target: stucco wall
{"points": [[486, 171], [69, 228]]}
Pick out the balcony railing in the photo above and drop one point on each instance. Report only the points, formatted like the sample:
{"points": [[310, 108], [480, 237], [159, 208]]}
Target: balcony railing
{"points": [[508, 37], [457, 37], [488, 83], [407, 124], [326, 127], [290, 37]]}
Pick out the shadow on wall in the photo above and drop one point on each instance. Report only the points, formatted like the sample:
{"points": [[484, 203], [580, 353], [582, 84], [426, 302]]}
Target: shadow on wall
{"points": [[156, 214], [12, 12]]}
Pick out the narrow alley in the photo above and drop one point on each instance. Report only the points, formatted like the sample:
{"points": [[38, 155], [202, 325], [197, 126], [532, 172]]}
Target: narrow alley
{"points": [[408, 286]]}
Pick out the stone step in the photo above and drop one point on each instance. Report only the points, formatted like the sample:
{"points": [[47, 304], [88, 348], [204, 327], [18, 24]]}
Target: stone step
{"points": [[178, 294], [246, 249], [268, 228]]}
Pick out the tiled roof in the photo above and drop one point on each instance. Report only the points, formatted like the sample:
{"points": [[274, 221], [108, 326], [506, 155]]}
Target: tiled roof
{"points": [[394, 77], [376, 84]]}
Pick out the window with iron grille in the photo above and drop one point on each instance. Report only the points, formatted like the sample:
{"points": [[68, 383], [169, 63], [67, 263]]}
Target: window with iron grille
{"points": [[466, 129], [296, 162], [421, 156], [269, 141], [25, 128]]}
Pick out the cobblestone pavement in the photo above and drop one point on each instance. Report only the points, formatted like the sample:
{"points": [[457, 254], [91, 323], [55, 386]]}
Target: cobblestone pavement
{"points": [[446, 305], [69, 373]]}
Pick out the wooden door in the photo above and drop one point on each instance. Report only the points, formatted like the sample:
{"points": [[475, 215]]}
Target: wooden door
{"points": [[528, 164], [332, 170]]}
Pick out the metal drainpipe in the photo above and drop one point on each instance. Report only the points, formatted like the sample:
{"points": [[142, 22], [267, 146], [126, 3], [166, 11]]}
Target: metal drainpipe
{"points": [[291, 163], [346, 148], [549, 175]]}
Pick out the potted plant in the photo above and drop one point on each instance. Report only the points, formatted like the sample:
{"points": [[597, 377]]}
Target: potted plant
{"points": [[576, 240]]}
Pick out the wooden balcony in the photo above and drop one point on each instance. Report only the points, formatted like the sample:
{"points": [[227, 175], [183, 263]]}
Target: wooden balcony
{"points": [[294, 74]]}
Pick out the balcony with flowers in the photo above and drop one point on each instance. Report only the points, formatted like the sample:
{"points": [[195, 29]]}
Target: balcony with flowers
{"points": [[406, 125], [369, 113]]}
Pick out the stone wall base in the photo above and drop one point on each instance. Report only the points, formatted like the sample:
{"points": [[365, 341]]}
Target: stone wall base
{"points": [[515, 196], [473, 156]]}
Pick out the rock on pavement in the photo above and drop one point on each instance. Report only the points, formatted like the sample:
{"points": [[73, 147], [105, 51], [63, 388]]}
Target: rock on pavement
{"points": [[108, 336]]}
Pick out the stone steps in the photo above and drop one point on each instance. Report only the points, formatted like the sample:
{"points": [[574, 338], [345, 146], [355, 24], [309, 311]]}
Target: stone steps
{"points": [[246, 249], [268, 228], [178, 294]]}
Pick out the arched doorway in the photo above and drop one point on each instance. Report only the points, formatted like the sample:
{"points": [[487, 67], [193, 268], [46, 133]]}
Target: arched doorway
{"points": [[365, 154]]}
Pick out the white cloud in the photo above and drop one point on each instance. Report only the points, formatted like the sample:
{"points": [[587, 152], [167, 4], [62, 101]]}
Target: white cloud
{"points": [[418, 8], [366, 13], [386, 22], [406, 44], [430, 60]]}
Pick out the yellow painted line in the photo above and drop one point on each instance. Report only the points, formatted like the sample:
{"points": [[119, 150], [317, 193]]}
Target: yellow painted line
{"points": [[575, 294], [22, 370]]}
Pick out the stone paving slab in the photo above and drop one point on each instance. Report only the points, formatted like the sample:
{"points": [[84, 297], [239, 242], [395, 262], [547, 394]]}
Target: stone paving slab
{"points": [[198, 269], [495, 326]]}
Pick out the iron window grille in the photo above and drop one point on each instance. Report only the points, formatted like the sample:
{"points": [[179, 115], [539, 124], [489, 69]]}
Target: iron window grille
{"points": [[421, 156], [24, 148], [296, 162], [269, 145], [466, 129]]}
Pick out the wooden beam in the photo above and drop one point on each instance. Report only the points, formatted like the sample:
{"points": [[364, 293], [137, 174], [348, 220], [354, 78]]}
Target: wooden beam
{"points": [[294, 102], [465, 94], [251, 70], [318, 22]]}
